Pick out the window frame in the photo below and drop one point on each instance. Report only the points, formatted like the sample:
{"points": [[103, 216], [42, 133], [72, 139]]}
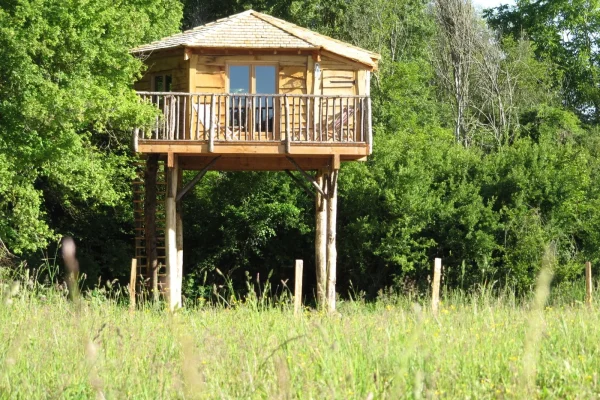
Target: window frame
{"points": [[252, 64], [164, 75]]}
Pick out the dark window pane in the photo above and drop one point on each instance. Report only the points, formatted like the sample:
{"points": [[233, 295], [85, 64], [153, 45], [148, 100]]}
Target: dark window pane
{"points": [[168, 83], [158, 83]]}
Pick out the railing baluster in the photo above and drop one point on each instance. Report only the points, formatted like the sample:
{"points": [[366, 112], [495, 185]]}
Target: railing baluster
{"points": [[369, 126], [176, 132], [326, 119], [239, 117], [287, 125], [259, 118], [197, 108], [228, 108], [218, 117], [211, 139], [308, 119], [362, 120], [293, 129], [348, 119], [167, 121], [342, 117], [157, 119]]}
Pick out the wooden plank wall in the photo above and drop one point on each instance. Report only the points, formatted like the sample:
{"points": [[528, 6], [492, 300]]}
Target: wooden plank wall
{"points": [[211, 77], [339, 78], [173, 64]]}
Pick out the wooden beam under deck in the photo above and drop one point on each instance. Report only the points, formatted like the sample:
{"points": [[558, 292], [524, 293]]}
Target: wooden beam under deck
{"points": [[346, 151], [242, 163]]}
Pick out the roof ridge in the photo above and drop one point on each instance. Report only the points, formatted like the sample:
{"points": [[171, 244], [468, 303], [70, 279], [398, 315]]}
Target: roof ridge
{"points": [[267, 18], [260, 16]]}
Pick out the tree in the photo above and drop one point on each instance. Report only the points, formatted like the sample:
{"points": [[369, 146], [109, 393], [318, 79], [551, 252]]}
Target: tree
{"points": [[566, 34], [67, 108]]}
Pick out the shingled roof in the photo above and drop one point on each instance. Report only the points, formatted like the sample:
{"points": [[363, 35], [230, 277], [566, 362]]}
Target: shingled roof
{"points": [[254, 30]]}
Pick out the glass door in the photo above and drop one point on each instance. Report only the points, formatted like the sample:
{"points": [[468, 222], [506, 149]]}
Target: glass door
{"points": [[252, 116], [264, 112], [239, 85]]}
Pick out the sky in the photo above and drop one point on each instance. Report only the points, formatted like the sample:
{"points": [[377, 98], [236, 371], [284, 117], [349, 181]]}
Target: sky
{"points": [[491, 3]]}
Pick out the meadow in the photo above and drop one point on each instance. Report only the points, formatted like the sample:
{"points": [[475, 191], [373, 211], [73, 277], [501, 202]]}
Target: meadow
{"points": [[482, 344]]}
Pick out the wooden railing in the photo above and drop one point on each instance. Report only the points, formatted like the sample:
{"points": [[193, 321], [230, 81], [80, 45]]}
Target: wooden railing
{"points": [[258, 117]]}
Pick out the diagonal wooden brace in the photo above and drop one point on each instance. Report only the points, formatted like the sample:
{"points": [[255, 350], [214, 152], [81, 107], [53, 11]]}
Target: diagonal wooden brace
{"points": [[300, 183], [308, 177], [195, 179]]}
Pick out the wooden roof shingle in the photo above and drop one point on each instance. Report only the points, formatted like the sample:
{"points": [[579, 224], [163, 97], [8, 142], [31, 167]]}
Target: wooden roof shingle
{"points": [[254, 30]]}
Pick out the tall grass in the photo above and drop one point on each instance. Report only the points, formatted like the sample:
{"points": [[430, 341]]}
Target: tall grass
{"points": [[481, 345]]}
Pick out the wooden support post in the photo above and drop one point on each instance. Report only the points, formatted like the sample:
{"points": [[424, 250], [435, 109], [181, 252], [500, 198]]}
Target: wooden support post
{"points": [[331, 238], [174, 277], [298, 287], [435, 295], [179, 230], [132, 283], [321, 241], [588, 284]]}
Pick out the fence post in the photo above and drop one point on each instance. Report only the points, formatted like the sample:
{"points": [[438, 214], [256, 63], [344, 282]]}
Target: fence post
{"points": [[298, 287], [435, 296], [588, 283], [132, 283]]}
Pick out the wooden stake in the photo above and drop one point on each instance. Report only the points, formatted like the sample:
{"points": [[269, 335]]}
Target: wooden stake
{"points": [[298, 287], [435, 296], [331, 238], [588, 283], [132, 279], [321, 241], [174, 277]]}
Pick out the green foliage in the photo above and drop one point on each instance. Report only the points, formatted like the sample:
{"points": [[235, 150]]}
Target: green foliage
{"points": [[565, 33], [67, 109]]}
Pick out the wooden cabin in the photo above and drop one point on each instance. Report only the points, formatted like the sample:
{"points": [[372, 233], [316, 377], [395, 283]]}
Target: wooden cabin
{"points": [[254, 93]]}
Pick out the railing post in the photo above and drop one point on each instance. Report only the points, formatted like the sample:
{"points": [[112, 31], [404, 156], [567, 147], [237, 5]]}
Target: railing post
{"points": [[287, 125], [211, 134], [369, 126]]}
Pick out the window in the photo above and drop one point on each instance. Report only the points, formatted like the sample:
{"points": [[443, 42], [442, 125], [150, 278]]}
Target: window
{"points": [[162, 83], [254, 111]]}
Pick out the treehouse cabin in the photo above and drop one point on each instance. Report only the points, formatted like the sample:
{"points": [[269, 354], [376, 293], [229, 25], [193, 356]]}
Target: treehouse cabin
{"points": [[251, 92]]}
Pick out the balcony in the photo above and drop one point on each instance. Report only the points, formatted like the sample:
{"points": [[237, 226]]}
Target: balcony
{"points": [[256, 124]]}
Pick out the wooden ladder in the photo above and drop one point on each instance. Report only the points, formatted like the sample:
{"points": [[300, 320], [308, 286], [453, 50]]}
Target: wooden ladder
{"points": [[143, 274]]}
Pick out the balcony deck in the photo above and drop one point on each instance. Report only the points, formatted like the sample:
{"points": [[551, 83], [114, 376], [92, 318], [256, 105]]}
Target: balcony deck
{"points": [[257, 132]]}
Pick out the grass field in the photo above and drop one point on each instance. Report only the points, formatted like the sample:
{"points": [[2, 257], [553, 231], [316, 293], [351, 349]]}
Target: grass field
{"points": [[478, 347]]}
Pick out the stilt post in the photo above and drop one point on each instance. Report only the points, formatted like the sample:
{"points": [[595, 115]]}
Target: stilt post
{"points": [[331, 235], [321, 240], [174, 277], [179, 230]]}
